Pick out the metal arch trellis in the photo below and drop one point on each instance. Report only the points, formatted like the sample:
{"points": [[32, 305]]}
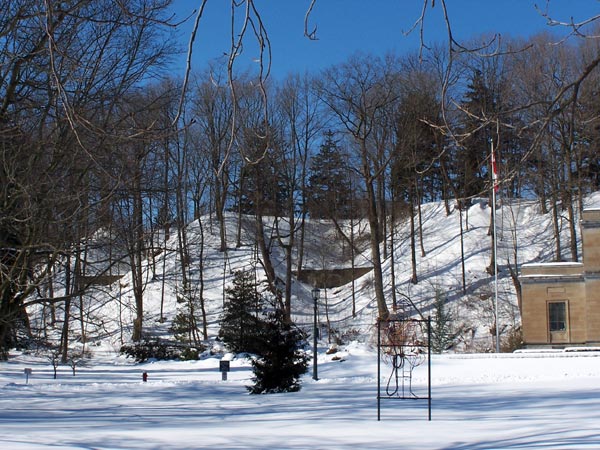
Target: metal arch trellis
{"points": [[404, 344]]}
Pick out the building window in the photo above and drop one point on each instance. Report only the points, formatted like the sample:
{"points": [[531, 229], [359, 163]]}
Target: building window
{"points": [[557, 314]]}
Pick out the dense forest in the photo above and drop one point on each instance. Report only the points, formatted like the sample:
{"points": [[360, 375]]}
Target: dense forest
{"points": [[102, 150]]}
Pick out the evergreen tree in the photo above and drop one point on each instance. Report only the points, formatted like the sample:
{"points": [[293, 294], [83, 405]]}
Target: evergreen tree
{"points": [[470, 162], [329, 191], [264, 189], [443, 331], [185, 325], [240, 323], [281, 362], [416, 146]]}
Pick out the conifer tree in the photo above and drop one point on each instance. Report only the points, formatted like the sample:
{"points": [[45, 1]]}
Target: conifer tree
{"points": [[282, 361], [470, 160], [329, 184], [443, 330], [185, 326], [240, 323]]}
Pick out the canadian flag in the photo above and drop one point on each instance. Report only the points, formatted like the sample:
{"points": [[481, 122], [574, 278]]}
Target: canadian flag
{"points": [[494, 172]]}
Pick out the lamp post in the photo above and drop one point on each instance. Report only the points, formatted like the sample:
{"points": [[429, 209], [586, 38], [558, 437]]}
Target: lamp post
{"points": [[315, 295]]}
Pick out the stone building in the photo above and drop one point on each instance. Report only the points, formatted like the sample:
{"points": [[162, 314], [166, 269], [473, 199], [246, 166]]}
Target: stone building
{"points": [[561, 301]]}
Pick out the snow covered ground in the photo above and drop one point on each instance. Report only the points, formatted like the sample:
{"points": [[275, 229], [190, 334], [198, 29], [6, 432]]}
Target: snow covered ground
{"points": [[479, 401], [544, 400]]}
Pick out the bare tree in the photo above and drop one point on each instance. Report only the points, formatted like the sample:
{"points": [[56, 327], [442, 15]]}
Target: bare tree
{"points": [[300, 124], [357, 92], [64, 68], [213, 110]]}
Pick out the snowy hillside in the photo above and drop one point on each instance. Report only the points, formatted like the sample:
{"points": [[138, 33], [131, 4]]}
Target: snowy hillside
{"points": [[439, 272], [479, 401]]}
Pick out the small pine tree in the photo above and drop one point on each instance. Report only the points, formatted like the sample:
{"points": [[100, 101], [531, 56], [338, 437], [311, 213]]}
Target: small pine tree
{"points": [[184, 326], [443, 333], [282, 362], [240, 323]]}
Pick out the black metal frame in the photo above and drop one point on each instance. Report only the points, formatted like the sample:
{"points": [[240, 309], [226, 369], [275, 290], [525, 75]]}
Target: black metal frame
{"points": [[406, 343]]}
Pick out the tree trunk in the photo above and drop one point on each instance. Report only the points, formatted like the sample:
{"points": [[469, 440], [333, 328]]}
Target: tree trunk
{"points": [[556, 229], [64, 337], [352, 257], [419, 211], [392, 255], [375, 241], [201, 282], [136, 256], [573, 231], [238, 241], [568, 201], [462, 250], [266, 260], [413, 244], [220, 197]]}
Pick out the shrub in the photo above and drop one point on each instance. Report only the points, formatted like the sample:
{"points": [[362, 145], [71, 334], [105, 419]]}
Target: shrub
{"points": [[160, 350], [513, 340]]}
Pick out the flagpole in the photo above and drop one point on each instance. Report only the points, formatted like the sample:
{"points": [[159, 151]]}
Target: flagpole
{"points": [[494, 189]]}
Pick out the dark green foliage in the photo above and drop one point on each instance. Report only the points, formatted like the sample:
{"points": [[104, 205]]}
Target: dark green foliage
{"points": [[184, 326], [416, 144], [443, 330], [240, 323], [330, 192], [470, 160], [144, 350], [190, 353], [263, 188], [181, 327], [14, 273], [282, 361], [276, 343]]}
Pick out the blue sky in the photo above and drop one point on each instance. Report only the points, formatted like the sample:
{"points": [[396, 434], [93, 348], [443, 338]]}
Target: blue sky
{"points": [[374, 26]]}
